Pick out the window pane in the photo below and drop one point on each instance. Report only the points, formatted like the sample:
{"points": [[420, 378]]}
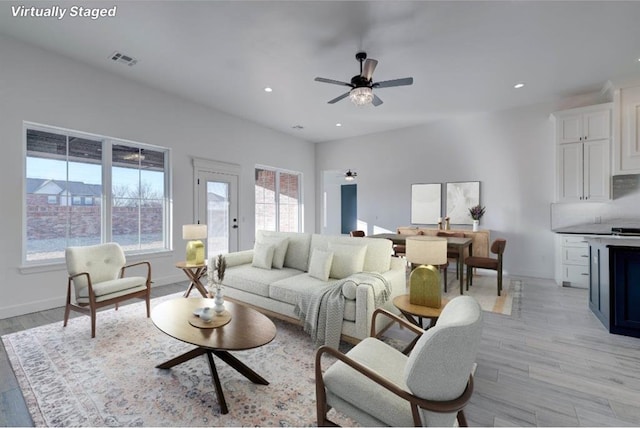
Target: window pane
{"points": [[138, 177], [265, 199], [288, 202], [58, 175]]}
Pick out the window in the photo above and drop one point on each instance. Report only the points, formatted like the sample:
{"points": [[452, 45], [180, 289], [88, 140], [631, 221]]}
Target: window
{"points": [[278, 201], [67, 202]]}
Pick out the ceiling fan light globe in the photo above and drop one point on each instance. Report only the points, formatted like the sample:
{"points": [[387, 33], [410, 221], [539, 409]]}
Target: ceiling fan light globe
{"points": [[361, 96]]}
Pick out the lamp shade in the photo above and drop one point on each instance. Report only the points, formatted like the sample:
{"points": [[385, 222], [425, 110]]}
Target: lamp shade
{"points": [[426, 250], [194, 231]]}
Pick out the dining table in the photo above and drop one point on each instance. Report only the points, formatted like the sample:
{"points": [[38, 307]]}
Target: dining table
{"points": [[453, 242]]}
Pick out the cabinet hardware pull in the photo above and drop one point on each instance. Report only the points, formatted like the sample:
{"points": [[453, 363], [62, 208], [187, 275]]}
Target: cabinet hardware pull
{"points": [[584, 256], [584, 274]]}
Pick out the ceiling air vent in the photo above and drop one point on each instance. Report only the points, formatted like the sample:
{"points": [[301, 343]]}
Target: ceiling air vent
{"points": [[123, 59]]}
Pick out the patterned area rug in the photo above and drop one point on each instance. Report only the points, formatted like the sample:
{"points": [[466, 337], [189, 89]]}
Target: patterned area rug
{"points": [[485, 290], [69, 379]]}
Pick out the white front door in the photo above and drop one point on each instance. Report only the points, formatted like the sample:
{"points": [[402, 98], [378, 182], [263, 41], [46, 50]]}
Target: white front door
{"points": [[218, 208]]}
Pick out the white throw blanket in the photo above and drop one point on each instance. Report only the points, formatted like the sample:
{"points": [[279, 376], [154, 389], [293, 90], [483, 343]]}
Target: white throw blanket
{"points": [[321, 310]]}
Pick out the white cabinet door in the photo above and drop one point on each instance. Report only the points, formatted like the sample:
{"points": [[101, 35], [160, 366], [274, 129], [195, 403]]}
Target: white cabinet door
{"points": [[570, 172], [628, 147], [596, 170], [570, 128], [597, 125]]}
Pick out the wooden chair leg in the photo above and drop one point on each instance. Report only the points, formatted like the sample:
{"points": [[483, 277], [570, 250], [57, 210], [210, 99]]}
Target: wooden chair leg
{"points": [[93, 323], [445, 279], [499, 282], [469, 277], [462, 420], [67, 308]]}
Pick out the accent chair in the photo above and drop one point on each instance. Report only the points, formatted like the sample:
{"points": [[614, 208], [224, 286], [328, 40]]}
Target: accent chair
{"points": [[98, 276], [376, 384]]}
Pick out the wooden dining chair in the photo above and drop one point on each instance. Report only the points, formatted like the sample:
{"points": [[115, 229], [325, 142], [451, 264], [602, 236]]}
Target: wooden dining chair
{"points": [[357, 233], [487, 262], [452, 254]]}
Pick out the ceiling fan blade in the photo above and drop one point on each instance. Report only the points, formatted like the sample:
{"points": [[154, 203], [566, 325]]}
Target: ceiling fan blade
{"points": [[335, 82], [336, 99], [369, 66], [376, 101], [395, 82]]}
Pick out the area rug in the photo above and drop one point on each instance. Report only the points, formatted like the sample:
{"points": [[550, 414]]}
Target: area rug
{"points": [[69, 379], [485, 290]]}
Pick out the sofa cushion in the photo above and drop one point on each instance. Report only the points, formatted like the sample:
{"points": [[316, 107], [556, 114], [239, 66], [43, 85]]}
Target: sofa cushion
{"points": [[286, 290], [263, 255], [253, 280], [377, 258], [320, 264], [297, 255], [280, 249], [347, 259]]}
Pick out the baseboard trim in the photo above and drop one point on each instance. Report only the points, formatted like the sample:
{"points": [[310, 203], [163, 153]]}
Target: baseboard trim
{"points": [[58, 301]]}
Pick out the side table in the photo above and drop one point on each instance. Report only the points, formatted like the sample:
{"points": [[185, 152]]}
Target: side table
{"points": [[194, 273], [415, 314]]}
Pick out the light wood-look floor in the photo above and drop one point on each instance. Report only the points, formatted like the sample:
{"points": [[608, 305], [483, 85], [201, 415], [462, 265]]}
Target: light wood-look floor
{"points": [[551, 363]]}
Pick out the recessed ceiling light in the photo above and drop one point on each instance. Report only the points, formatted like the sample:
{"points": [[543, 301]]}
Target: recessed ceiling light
{"points": [[338, 124], [518, 85], [268, 89]]}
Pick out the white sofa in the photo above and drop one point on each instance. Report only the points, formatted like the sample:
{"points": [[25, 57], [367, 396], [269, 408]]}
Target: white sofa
{"points": [[273, 287]]}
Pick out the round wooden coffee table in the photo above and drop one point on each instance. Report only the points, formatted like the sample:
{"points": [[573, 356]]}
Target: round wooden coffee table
{"points": [[247, 329]]}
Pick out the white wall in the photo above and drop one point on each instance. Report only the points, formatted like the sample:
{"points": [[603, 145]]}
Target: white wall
{"points": [[40, 87], [510, 152]]}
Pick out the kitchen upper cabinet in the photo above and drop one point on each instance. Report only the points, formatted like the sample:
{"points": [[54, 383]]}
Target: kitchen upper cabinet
{"points": [[576, 127], [583, 171], [583, 154], [626, 149]]}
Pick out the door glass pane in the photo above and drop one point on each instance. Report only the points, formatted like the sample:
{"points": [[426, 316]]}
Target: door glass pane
{"points": [[217, 218]]}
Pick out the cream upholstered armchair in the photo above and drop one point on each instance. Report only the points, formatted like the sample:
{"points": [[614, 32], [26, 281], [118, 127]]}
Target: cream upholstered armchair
{"points": [[377, 385], [97, 273]]}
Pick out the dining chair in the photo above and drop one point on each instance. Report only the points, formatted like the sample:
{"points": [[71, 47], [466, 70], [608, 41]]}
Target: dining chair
{"points": [[497, 247], [453, 254], [357, 233]]}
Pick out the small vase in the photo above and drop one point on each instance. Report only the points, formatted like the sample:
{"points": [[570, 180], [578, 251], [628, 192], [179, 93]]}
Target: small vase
{"points": [[476, 225], [218, 301]]}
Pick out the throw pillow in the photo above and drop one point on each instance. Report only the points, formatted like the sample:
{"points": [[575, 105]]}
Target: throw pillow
{"points": [[347, 259], [320, 264], [263, 255], [280, 249]]}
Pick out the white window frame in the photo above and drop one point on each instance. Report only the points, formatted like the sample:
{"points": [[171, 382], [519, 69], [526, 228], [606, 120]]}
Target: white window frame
{"points": [[106, 199]]}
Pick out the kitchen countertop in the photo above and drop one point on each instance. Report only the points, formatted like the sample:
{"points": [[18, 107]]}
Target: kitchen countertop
{"points": [[596, 228]]}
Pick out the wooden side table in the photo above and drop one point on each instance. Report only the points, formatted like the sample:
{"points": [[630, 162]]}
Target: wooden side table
{"points": [[194, 272], [415, 314]]}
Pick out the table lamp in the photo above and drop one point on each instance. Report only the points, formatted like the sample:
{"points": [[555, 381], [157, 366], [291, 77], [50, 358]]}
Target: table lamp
{"points": [[195, 248], [428, 253]]}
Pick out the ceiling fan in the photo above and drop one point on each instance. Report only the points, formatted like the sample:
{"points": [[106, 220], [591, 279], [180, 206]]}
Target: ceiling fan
{"points": [[362, 85]]}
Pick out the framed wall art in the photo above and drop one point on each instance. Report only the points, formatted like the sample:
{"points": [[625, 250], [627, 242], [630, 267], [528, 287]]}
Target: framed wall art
{"points": [[426, 203], [461, 196]]}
